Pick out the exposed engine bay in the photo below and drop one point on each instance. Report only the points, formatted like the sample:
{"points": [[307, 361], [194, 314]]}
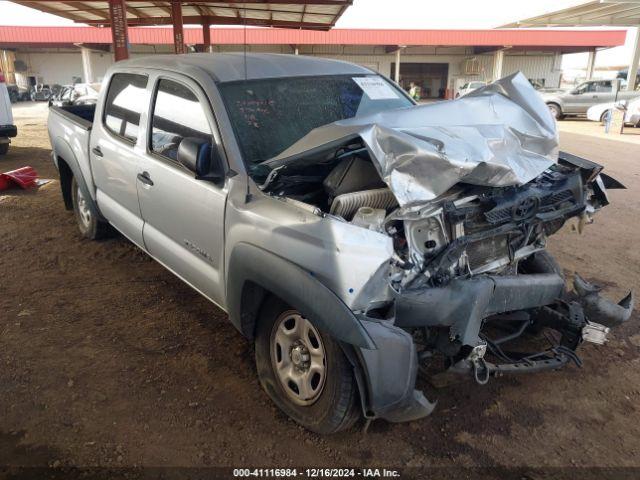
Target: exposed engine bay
{"points": [[470, 276]]}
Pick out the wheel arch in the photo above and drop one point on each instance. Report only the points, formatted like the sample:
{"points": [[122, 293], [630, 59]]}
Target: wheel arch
{"points": [[68, 169], [66, 177], [557, 104], [255, 273]]}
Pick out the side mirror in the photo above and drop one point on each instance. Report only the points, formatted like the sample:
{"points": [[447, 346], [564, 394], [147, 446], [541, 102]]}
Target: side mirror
{"points": [[575, 92], [201, 158]]}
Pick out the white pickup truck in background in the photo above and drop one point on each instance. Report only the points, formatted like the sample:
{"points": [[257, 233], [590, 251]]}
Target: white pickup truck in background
{"points": [[7, 129]]}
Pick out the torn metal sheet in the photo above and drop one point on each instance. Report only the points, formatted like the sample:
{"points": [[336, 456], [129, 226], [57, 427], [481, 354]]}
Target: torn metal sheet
{"points": [[499, 135]]}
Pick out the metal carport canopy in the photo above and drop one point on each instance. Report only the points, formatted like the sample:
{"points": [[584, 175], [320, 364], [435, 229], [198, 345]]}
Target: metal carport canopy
{"points": [[612, 13], [301, 14]]}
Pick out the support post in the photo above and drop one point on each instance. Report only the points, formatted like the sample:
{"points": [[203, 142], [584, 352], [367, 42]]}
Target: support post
{"points": [[178, 30], [498, 61], [397, 72], [119, 32], [87, 71], [557, 68], [633, 66], [206, 37], [591, 64]]}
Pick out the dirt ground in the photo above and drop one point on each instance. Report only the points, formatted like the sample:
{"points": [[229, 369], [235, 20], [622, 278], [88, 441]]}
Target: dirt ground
{"points": [[106, 359]]}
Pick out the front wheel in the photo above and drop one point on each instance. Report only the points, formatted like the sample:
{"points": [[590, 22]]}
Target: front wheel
{"points": [[555, 110], [90, 226], [304, 371]]}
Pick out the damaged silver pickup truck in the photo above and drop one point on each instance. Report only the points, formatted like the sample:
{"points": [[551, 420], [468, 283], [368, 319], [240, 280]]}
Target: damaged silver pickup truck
{"points": [[354, 236]]}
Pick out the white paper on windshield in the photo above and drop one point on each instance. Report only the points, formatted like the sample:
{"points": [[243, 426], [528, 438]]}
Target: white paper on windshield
{"points": [[375, 88]]}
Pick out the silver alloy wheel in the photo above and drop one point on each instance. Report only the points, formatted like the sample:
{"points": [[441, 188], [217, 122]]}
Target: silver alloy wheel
{"points": [[298, 357], [555, 111], [83, 209]]}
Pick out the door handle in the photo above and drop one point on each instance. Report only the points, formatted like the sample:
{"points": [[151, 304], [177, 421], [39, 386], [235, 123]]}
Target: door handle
{"points": [[97, 152], [144, 178]]}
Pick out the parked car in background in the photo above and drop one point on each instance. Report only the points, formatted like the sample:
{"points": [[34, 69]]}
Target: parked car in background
{"points": [[470, 87], [601, 112], [18, 94], [40, 93], [354, 243], [7, 129], [78, 94], [577, 101]]}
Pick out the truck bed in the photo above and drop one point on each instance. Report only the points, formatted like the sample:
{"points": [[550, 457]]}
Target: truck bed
{"points": [[70, 134], [81, 115]]}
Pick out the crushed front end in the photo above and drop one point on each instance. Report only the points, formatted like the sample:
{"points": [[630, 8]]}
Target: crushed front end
{"points": [[472, 276], [467, 192]]}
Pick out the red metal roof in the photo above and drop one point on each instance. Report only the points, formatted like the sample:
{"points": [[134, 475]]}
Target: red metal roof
{"points": [[16, 36]]}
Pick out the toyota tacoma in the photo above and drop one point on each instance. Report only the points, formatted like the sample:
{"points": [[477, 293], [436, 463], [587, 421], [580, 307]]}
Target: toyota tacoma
{"points": [[354, 237]]}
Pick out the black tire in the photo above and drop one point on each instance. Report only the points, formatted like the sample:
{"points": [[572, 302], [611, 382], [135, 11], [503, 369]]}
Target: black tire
{"points": [[89, 225], [555, 110], [337, 406], [13, 96], [541, 262], [4, 148]]}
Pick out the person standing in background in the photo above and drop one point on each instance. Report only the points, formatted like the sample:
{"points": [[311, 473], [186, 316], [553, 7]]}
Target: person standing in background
{"points": [[414, 91]]}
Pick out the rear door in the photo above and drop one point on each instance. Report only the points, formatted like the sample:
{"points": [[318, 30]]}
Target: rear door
{"points": [[115, 145], [184, 217], [603, 92]]}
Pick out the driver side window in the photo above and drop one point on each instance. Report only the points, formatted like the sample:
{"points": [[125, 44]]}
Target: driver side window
{"points": [[585, 87], [177, 114]]}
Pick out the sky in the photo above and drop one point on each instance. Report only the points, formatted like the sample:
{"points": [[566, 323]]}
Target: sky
{"points": [[406, 14]]}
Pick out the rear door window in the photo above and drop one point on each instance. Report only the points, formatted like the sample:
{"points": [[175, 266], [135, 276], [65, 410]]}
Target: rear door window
{"points": [[177, 114], [126, 100]]}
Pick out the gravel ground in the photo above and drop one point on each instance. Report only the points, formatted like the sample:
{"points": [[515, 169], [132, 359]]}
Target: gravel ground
{"points": [[106, 359]]}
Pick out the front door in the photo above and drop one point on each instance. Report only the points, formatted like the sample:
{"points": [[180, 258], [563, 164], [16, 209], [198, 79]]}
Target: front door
{"points": [[112, 150], [184, 217]]}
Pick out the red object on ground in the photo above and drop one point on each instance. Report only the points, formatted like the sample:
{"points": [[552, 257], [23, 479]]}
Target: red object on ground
{"points": [[24, 178]]}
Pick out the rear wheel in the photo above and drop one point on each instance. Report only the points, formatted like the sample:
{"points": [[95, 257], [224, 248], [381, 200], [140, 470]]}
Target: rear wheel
{"points": [[88, 223], [555, 110], [304, 370], [4, 148]]}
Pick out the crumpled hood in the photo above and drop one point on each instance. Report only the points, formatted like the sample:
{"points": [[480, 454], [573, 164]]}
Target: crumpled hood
{"points": [[499, 135]]}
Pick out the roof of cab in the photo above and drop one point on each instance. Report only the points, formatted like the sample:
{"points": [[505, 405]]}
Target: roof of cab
{"points": [[229, 67]]}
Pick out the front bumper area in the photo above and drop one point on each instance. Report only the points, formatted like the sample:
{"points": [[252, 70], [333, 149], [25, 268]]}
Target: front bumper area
{"points": [[464, 303], [466, 310], [390, 373]]}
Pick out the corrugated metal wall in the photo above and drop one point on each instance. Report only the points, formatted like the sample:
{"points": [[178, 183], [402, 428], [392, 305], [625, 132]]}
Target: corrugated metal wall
{"points": [[538, 67]]}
